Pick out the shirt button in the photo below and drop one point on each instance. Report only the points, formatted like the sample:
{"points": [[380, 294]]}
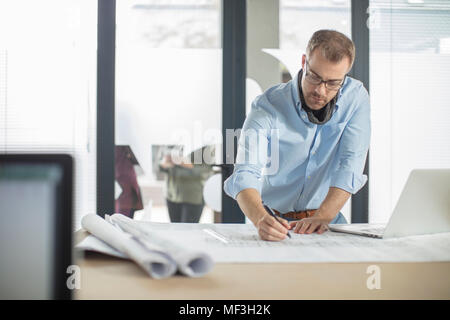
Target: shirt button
{"points": [[313, 152], [309, 177]]}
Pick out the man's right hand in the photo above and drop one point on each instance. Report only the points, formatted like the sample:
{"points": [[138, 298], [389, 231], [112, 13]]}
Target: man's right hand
{"points": [[268, 227], [271, 230]]}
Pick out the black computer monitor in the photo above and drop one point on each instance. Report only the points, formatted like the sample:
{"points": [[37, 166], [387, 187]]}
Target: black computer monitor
{"points": [[36, 194]]}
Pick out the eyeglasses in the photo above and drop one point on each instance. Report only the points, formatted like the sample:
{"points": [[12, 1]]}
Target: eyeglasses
{"points": [[316, 80]]}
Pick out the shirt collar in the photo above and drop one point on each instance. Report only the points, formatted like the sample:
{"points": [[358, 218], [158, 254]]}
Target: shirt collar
{"points": [[295, 91]]}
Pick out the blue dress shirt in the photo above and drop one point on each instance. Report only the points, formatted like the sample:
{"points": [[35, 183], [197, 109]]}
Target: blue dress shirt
{"points": [[310, 158]]}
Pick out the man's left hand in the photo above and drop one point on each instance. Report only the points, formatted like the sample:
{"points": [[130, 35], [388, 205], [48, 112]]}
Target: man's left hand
{"points": [[310, 225]]}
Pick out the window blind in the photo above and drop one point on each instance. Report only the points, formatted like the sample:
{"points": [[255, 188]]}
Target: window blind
{"points": [[409, 68], [47, 85]]}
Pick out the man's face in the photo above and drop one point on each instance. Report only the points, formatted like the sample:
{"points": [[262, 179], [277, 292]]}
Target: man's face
{"points": [[318, 67]]}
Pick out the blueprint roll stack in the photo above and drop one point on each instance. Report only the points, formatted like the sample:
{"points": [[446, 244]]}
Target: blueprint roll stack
{"points": [[157, 256]]}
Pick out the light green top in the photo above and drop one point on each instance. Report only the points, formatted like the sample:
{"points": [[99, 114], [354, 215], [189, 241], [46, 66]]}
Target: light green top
{"points": [[186, 184]]}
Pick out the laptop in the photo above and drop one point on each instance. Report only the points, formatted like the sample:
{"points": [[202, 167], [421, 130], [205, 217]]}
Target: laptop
{"points": [[423, 208], [35, 225]]}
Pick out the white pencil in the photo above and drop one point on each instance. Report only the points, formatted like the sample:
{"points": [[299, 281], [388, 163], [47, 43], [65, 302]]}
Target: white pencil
{"points": [[216, 235]]}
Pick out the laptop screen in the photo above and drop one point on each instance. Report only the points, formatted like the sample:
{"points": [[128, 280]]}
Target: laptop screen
{"points": [[33, 227]]}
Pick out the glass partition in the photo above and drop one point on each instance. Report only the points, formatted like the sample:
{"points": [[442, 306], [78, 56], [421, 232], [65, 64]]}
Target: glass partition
{"points": [[168, 109]]}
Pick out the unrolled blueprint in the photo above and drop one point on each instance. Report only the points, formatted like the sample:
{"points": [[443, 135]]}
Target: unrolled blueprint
{"points": [[241, 243]]}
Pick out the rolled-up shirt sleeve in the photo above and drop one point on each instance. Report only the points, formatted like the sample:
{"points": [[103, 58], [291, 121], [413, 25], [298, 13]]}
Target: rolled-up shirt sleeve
{"points": [[353, 147], [251, 155]]}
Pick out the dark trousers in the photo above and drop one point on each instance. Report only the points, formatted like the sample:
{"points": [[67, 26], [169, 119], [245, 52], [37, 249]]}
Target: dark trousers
{"points": [[184, 212]]}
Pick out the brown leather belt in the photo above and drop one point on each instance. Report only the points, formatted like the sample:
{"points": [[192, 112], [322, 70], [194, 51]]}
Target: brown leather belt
{"points": [[296, 215]]}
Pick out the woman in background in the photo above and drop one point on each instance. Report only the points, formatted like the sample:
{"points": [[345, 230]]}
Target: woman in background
{"points": [[130, 200], [185, 180]]}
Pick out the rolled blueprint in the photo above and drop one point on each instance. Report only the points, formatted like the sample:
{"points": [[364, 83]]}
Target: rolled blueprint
{"points": [[190, 262], [156, 263]]}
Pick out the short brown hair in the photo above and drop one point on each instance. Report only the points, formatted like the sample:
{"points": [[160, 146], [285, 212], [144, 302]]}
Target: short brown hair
{"points": [[333, 45]]}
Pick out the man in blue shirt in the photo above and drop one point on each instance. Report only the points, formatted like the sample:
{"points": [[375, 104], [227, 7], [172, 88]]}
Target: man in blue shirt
{"points": [[313, 133]]}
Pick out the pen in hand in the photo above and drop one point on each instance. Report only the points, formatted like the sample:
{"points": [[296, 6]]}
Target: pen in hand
{"points": [[269, 211]]}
